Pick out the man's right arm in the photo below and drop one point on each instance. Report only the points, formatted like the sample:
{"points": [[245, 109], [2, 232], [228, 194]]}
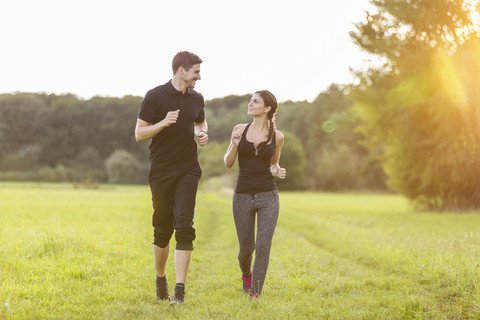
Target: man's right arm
{"points": [[145, 130]]}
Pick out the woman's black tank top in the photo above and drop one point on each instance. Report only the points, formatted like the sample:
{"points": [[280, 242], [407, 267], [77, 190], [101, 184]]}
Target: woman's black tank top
{"points": [[254, 174]]}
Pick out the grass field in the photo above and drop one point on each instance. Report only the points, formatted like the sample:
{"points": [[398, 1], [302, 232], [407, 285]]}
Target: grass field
{"points": [[86, 254]]}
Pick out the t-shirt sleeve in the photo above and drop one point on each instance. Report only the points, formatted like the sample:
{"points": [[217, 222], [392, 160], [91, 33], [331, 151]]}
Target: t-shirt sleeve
{"points": [[201, 114], [147, 109]]}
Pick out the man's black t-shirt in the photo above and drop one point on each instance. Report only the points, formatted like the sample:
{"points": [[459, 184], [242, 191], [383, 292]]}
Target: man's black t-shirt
{"points": [[174, 147]]}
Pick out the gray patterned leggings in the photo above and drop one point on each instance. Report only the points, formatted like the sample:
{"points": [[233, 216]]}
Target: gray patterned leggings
{"points": [[265, 206]]}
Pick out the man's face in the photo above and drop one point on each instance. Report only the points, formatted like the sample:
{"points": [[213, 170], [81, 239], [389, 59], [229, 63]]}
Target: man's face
{"points": [[192, 75]]}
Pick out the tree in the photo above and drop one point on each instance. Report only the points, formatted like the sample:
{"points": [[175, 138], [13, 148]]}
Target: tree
{"points": [[420, 108], [292, 159], [21, 121], [326, 128], [224, 113]]}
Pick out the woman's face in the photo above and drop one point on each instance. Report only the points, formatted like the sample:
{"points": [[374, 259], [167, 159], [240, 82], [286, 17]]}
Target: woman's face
{"points": [[256, 107]]}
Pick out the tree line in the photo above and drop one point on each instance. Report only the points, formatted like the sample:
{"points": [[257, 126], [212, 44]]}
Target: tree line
{"points": [[64, 138]]}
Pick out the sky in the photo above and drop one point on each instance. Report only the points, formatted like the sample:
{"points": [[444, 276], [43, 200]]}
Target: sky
{"points": [[295, 49]]}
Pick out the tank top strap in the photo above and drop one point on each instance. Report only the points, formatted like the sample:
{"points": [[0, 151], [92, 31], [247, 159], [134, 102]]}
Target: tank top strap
{"points": [[244, 134]]}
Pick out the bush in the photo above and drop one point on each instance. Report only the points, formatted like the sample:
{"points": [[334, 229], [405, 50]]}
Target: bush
{"points": [[210, 158], [19, 176], [123, 167], [338, 169]]}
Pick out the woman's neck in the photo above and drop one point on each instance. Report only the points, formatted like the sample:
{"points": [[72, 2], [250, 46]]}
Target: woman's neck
{"points": [[261, 124]]}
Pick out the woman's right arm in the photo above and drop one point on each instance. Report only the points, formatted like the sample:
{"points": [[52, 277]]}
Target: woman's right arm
{"points": [[232, 150]]}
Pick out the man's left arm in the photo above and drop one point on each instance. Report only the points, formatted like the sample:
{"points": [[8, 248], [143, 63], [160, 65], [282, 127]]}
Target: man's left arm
{"points": [[201, 130]]}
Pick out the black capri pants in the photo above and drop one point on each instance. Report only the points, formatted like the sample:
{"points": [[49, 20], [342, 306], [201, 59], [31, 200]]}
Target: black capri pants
{"points": [[173, 197]]}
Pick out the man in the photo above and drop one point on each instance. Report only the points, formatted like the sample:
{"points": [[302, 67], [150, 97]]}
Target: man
{"points": [[172, 115]]}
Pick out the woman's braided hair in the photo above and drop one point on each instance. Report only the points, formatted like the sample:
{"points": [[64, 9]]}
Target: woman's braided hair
{"points": [[269, 101]]}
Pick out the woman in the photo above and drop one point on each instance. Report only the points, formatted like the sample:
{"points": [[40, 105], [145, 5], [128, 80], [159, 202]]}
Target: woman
{"points": [[258, 145]]}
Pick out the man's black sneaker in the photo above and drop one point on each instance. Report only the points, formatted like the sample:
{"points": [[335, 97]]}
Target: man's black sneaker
{"points": [[162, 288], [178, 296]]}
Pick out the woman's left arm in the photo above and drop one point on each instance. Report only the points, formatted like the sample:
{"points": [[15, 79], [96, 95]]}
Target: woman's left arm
{"points": [[274, 165]]}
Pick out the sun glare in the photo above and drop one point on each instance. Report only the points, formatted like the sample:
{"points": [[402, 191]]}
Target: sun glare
{"points": [[449, 80]]}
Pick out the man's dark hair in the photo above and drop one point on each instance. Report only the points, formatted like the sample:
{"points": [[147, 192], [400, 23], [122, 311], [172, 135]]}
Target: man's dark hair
{"points": [[184, 59]]}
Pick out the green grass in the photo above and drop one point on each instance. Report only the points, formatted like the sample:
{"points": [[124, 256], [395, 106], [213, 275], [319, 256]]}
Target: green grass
{"points": [[69, 253]]}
